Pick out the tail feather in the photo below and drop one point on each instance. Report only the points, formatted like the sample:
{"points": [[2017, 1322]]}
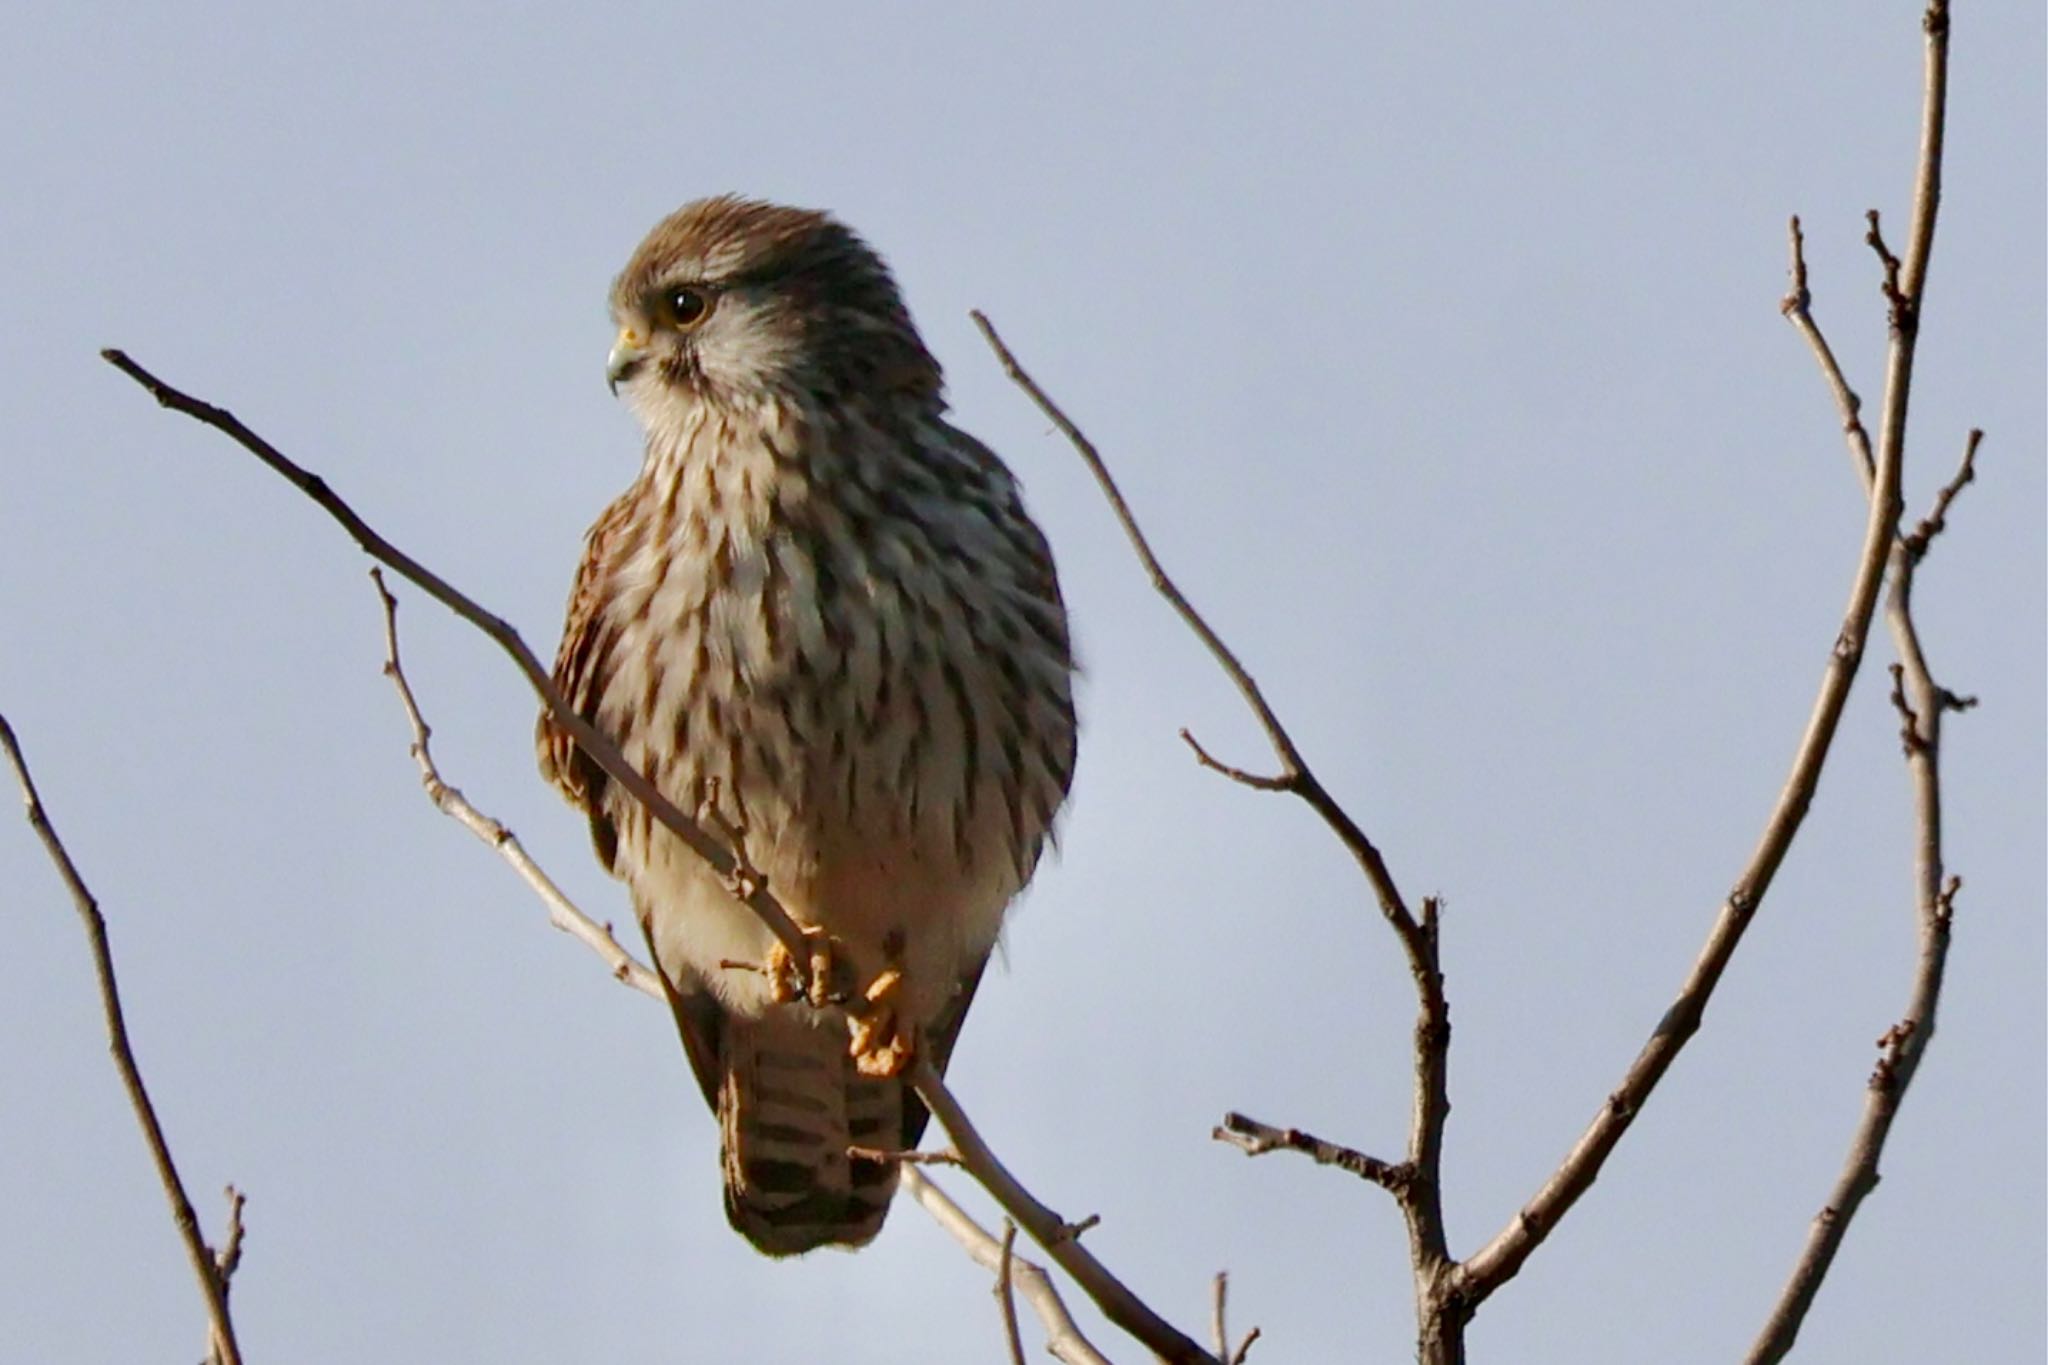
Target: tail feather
{"points": [[789, 1105]]}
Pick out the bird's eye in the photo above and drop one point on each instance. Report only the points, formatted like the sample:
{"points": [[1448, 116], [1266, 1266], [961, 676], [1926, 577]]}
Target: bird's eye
{"points": [[685, 306]]}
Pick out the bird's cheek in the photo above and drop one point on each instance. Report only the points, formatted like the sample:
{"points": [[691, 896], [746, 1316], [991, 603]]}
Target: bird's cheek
{"points": [[744, 360], [662, 403]]}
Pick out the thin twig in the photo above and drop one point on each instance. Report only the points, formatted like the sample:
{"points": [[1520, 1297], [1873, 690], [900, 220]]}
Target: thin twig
{"points": [[1219, 1327], [1936, 520], [213, 1270], [1063, 1339], [1254, 1138], [229, 1259], [945, 1156], [1909, 722], [1059, 1237], [1005, 1292], [1895, 298], [563, 913], [1069, 1231], [1283, 782], [1798, 307], [1219, 1330]]}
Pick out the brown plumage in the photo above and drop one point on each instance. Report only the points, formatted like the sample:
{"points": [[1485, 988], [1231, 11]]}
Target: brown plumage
{"points": [[821, 616]]}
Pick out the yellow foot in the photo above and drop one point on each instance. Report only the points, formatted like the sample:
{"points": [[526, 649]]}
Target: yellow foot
{"points": [[786, 984], [883, 1041]]}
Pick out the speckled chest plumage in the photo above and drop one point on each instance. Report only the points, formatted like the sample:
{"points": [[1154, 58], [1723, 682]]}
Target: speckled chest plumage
{"points": [[840, 637]]}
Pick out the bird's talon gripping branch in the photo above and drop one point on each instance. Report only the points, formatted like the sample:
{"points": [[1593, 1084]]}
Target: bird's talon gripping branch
{"points": [[789, 983], [785, 983], [883, 1040], [824, 962]]}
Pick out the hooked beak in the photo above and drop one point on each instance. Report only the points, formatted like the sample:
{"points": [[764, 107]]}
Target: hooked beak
{"points": [[628, 351]]}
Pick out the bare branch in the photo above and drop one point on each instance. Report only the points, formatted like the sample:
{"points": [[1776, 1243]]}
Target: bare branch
{"points": [[1294, 770], [1060, 1238], [1797, 306], [1062, 1338], [1909, 721], [1006, 1268], [1219, 1331], [1285, 782], [1283, 743], [1936, 520], [1895, 299], [1921, 703], [1933, 135], [1421, 1198], [1498, 1261], [563, 913], [943, 1157], [1254, 1138], [593, 742], [229, 1259], [212, 1269]]}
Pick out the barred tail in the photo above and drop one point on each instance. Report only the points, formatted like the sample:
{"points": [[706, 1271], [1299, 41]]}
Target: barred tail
{"points": [[789, 1105]]}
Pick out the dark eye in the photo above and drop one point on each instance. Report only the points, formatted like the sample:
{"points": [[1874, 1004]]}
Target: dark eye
{"points": [[686, 306]]}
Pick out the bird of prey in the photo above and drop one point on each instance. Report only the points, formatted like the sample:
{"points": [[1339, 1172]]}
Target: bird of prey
{"points": [[821, 620]]}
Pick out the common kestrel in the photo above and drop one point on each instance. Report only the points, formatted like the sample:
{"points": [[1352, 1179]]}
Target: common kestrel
{"points": [[821, 618]]}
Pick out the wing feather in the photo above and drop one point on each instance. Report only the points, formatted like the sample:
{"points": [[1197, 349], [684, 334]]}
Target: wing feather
{"points": [[583, 672]]}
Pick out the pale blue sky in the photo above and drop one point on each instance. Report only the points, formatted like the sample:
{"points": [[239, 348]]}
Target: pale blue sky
{"points": [[1439, 348]]}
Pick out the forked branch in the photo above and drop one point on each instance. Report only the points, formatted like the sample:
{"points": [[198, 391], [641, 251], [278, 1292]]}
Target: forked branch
{"points": [[1419, 1188], [1920, 703], [1063, 1339], [1905, 283], [215, 1270]]}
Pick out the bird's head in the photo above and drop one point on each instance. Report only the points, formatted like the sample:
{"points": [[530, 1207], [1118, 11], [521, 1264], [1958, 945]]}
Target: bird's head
{"points": [[732, 301]]}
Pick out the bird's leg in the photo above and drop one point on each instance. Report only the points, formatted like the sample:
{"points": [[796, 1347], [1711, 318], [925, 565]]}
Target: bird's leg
{"points": [[883, 1039]]}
